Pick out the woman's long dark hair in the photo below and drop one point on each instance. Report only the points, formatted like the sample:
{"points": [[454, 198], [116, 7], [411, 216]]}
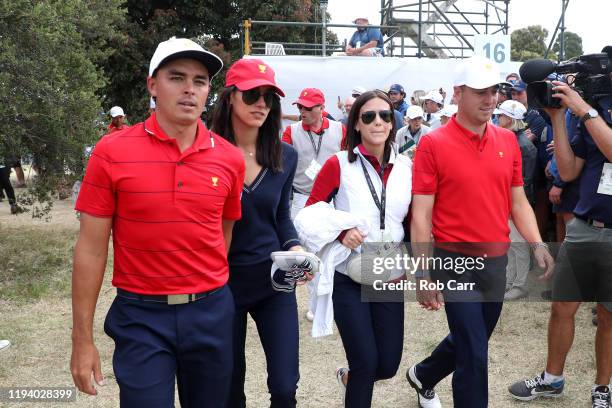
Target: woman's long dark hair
{"points": [[269, 152], [353, 136]]}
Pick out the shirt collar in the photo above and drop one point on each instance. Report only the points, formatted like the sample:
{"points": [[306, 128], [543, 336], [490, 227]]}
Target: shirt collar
{"points": [[202, 141], [360, 149], [324, 126], [468, 133]]}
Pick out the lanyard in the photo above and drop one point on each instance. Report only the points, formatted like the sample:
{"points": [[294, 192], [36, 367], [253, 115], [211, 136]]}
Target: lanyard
{"points": [[381, 204], [316, 149]]}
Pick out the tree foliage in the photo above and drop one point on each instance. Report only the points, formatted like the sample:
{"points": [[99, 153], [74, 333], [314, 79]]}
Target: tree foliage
{"points": [[217, 25], [50, 59], [573, 45], [529, 43]]}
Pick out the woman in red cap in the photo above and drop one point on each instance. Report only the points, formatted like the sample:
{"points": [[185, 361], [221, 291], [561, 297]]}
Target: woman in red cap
{"points": [[248, 114]]}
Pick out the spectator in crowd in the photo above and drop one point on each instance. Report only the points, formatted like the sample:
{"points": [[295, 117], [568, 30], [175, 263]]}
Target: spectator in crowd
{"points": [[447, 113], [117, 120], [432, 105], [411, 134], [355, 93], [168, 190], [564, 195], [513, 77], [6, 186], [14, 162], [510, 116], [366, 41], [417, 97], [371, 332], [247, 115], [346, 108], [583, 269], [315, 138], [468, 201], [540, 135], [398, 95]]}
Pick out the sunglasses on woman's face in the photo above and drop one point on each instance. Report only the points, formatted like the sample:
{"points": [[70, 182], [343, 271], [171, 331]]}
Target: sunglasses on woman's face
{"points": [[369, 116], [252, 96]]}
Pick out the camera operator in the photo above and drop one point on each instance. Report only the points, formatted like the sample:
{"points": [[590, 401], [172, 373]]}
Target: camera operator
{"points": [[580, 275]]}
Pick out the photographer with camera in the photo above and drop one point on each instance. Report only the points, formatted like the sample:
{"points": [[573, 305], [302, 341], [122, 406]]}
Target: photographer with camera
{"points": [[581, 275]]}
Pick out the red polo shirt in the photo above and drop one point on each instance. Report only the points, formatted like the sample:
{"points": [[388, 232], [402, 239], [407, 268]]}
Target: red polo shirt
{"points": [[471, 178], [166, 206]]}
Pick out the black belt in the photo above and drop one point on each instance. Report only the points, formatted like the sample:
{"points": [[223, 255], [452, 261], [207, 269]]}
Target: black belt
{"points": [[168, 299], [594, 223]]}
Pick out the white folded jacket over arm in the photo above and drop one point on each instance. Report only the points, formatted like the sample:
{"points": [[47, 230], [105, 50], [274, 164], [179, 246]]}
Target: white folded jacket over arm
{"points": [[318, 226]]}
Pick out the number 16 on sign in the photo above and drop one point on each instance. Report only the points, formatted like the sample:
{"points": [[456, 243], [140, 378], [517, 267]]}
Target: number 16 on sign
{"points": [[496, 47]]}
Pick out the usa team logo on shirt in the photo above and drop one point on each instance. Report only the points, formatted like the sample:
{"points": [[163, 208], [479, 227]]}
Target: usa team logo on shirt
{"points": [[214, 180], [501, 155]]}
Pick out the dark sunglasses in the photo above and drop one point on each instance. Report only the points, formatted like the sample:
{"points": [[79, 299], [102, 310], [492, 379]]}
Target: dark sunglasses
{"points": [[302, 107], [252, 96], [369, 116]]}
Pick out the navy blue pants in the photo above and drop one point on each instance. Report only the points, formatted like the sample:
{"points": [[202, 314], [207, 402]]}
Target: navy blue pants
{"points": [[154, 342], [464, 351], [373, 339], [275, 314]]}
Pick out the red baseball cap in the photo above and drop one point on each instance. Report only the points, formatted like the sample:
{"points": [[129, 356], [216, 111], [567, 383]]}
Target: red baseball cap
{"points": [[249, 73], [310, 97]]}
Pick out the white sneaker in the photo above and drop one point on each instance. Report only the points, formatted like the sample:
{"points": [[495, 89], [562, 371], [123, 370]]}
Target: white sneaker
{"points": [[515, 293], [426, 398], [309, 316], [4, 345]]}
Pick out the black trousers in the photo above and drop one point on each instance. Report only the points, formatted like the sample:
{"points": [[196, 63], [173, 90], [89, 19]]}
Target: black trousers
{"points": [[5, 184]]}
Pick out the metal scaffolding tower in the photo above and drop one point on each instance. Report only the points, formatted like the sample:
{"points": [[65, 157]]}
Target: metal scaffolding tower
{"points": [[440, 28]]}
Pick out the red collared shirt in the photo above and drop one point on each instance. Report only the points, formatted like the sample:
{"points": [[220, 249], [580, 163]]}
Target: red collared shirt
{"points": [[471, 178], [166, 206]]}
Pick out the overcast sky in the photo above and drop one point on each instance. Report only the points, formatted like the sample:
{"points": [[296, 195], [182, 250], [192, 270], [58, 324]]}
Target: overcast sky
{"points": [[591, 19]]}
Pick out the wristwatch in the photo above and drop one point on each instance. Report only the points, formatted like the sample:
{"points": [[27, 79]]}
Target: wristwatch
{"points": [[535, 245], [591, 113]]}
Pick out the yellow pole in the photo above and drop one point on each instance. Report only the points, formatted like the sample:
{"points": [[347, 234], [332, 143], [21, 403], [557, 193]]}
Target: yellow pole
{"points": [[247, 37]]}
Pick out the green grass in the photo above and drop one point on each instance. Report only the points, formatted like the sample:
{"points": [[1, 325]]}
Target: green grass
{"points": [[35, 262]]}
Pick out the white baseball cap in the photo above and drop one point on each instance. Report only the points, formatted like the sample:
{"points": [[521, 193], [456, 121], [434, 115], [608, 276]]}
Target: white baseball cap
{"points": [[358, 90], [414, 111], [449, 110], [116, 111], [434, 96], [511, 108], [175, 48], [477, 72]]}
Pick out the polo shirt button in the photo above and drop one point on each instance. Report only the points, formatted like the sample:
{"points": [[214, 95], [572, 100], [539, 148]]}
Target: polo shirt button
{"points": [[180, 184]]}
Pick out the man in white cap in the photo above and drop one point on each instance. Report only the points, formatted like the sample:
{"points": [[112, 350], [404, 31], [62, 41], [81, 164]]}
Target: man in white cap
{"points": [[466, 184], [366, 41], [446, 113], [169, 191], [410, 134], [117, 120], [434, 101]]}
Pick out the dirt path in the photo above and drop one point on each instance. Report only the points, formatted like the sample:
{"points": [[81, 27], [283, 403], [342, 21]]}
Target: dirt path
{"points": [[40, 333]]}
